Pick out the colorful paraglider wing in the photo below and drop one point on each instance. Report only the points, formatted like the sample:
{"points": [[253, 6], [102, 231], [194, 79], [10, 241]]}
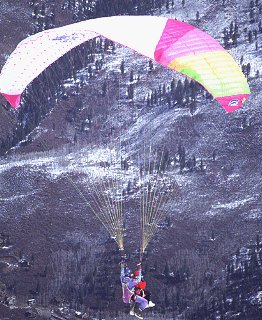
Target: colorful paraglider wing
{"points": [[174, 44]]}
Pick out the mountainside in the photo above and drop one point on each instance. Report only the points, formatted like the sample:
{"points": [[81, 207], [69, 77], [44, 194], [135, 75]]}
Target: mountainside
{"points": [[105, 120], [240, 296]]}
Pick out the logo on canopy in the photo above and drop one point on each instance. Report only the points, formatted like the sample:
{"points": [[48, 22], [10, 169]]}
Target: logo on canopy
{"points": [[66, 38], [233, 103]]}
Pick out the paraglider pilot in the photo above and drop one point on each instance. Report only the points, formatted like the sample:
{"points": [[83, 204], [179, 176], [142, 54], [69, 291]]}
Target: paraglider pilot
{"points": [[134, 292]]}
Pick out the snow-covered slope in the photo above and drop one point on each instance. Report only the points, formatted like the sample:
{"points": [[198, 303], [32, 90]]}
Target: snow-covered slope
{"points": [[218, 207]]}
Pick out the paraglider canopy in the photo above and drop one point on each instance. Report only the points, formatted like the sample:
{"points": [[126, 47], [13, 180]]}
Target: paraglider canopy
{"points": [[172, 43]]}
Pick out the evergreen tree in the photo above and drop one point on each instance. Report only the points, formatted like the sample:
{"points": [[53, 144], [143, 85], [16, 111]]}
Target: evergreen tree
{"points": [[166, 270], [244, 69], [164, 90], [257, 242], [197, 16], [148, 100], [231, 29], [248, 69], [255, 34], [236, 28], [130, 91], [151, 66], [122, 67], [234, 38], [43, 10], [226, 38], [192, 107], [179, 93], [75, 138], [251, 14], [250, 38], [193, 89], [260, 26], [155, 97], [90, 72], [36, 10], [131, 78], [235, 34], [104, 89], [186, 90], [172, 85]]}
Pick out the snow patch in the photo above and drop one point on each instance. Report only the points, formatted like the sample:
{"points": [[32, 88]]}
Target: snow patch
{"points": [[16, 197], [234, 204], [257, 298], [253, 214]]}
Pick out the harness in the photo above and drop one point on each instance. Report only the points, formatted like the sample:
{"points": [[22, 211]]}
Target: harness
{"points": [[127, 293]]}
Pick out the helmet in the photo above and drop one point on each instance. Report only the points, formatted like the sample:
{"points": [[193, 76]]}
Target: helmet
{"points": [[136, 273], [127, 272]]}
